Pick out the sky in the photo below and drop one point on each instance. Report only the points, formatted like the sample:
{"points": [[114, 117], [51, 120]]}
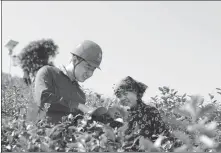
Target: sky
{"points": [[174, 44]]}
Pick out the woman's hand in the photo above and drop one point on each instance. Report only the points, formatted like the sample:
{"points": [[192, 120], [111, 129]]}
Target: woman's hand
{"points": [[117, 112]]}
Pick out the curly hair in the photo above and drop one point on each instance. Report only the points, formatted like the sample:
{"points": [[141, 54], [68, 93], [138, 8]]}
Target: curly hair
{"points": [[130, 84]]}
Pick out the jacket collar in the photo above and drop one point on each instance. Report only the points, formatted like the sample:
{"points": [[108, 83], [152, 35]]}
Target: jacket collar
{"points": [[64, 71], [139, 105]]}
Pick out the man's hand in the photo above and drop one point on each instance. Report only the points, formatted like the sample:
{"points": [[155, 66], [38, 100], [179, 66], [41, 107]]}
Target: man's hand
{"points": [[99, 111], [81, 107], [85, 109]]}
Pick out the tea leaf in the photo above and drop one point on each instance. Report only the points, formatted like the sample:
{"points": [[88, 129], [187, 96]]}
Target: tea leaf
{"points": [[209, 133], [145, 144], [211, 126], [183, 137], [191, 108], [173, 121], [158, 142], [183, 96], [182, 112], [211, 96], [109, 133], [206, 109], [32, 113], [44, 147], [218, 148], [161, 89], [183, 148], [207, 141]]}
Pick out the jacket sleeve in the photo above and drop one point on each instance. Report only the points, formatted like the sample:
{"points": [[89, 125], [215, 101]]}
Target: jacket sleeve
{"points": [[44, 89]]}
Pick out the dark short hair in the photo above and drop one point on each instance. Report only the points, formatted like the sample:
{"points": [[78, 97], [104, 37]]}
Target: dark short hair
{"points": [[130, 84]]}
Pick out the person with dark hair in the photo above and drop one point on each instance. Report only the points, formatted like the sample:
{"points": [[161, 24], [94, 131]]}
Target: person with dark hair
{"points": [[59, 86], [146, 117]]}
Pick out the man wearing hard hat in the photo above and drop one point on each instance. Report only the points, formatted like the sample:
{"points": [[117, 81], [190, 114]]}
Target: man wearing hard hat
{"points": [[59, 86]]}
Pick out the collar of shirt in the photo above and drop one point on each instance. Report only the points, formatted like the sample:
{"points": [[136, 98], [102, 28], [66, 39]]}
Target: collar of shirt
{"points": [[139, 108], [64, 71]]}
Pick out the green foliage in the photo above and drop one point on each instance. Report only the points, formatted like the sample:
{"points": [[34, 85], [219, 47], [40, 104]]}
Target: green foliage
{"points": [[97, 100], [15, 95], [192, 120], [195, 124]]}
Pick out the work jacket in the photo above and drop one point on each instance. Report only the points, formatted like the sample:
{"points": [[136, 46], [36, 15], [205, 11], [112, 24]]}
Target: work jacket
{"points": [[53, 86]]}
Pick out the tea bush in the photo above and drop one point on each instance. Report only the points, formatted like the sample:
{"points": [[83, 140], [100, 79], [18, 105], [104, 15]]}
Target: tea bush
{"points": [[195, 124]]}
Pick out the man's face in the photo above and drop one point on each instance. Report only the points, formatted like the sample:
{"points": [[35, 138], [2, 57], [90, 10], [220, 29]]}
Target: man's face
{"points": [[83, 71]]}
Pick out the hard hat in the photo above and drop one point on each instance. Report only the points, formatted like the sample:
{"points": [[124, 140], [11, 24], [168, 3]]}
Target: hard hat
{"points": [[90, 52]]}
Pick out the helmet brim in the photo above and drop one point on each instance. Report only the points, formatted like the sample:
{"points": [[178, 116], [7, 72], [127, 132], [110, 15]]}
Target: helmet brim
{"points": [[89, 62], [92, 64]]}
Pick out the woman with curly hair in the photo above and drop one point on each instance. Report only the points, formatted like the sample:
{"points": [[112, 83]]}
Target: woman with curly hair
{"points": [[146, 117]]}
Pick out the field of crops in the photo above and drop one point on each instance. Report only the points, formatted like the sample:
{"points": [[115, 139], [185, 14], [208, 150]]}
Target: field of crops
{"points": [[197, 126]]}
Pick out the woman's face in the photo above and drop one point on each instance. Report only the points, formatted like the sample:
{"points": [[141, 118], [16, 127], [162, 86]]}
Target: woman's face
{"points": [[128, 98]]}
